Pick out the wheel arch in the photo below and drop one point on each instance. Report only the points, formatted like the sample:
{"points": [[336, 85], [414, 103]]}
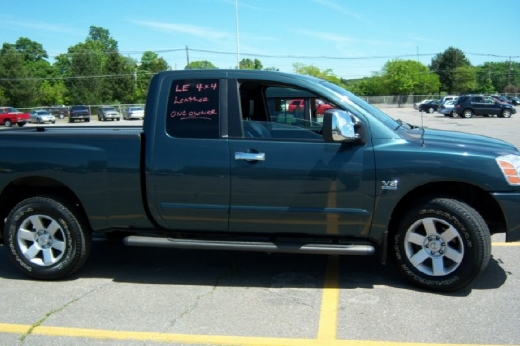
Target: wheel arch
{"points": [[472, 195], [27, 187]]}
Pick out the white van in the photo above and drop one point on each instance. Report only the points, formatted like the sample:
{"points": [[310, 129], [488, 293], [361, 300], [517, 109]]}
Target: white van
{"points": [[448, 98]]}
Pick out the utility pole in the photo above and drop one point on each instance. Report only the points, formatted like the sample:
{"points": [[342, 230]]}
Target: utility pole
{"points": [[238, 41], [187, 56]]}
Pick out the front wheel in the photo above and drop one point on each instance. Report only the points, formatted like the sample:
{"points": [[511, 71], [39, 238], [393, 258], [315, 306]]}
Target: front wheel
{"points": [[45, 239], [506, 113], [442, 245], [431, 110]]}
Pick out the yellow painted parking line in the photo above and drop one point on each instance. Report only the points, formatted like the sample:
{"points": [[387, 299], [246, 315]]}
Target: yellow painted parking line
{"points": [[200, 339], [330, 302], [505, 244]]}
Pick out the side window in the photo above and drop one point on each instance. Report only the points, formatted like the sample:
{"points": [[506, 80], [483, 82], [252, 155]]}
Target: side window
{"points": [[193, 109], [279, 112]]}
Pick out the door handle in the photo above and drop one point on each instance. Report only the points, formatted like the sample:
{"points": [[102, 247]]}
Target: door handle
{"points": [[250, 156]]}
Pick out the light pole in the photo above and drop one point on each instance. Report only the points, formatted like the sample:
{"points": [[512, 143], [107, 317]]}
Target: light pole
{"points": [[238, 41]]}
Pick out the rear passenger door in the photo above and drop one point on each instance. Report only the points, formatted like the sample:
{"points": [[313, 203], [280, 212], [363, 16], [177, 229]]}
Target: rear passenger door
{"points": [[188, 180], [479, 106]]}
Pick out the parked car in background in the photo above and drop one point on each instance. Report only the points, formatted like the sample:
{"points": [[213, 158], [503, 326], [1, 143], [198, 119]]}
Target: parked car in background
{"points": [[79, 112], [134, 113], [469, 105], [59, 111], [41, 116], [322, 106], [446, 108], [501, 99], [108, 113], [10, 116], [430, 106], [417, 104], [448, 98], [515, 100]]}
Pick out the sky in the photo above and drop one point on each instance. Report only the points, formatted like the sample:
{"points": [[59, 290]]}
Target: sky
{"points": [[353, 38]]}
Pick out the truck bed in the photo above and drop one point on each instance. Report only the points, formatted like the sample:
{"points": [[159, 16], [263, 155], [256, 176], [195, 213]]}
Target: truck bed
{"points": [[101, 165]]}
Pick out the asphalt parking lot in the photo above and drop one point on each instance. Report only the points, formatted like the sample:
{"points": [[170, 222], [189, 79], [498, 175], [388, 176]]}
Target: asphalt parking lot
{"points": [[146, 296]]}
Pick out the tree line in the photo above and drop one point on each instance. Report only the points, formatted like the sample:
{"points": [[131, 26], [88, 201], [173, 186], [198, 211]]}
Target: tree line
{"points": [[95, 72]]}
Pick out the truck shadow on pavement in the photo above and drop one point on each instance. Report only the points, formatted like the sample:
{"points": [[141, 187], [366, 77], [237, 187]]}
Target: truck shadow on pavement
{"points": [[142, 265]]}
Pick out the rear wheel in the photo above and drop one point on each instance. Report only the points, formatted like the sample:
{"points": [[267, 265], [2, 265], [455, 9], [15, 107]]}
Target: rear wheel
{"points": [[468, 113], [8, 123], [442, 245], [45, 239], [431, 110]]}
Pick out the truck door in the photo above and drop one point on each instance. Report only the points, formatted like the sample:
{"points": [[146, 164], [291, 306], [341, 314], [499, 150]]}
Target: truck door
{"points": [[188, 176], [286, 179]]}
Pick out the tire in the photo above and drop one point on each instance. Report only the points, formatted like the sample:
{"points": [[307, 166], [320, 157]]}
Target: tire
{"points": [[21, 124], [431, 110], [71, 120], [454, 115], [442, 245], [467, 113], [506, 113], [8, 123], [44, 239]]}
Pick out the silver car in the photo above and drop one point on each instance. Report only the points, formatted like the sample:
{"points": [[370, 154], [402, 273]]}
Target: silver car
{"points": [[134, 113], [108, 113], [446, 108], [41, 116]]}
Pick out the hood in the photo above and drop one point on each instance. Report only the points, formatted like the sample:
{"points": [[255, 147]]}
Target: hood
{"points": [[467, 142]]}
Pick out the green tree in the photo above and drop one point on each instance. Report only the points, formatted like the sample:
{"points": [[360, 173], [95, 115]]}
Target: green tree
{"points": [[314, 71], [31, 75], [501, 75], [118, 82], [404, 77], [149, 65], [87, 63], [19, 85], [465, 79], [100, 39], [248, 64], [84, 83], [200, 65], [444, 64], [368, 86]]}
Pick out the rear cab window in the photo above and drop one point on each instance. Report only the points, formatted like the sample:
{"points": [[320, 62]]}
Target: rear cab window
{"points": [[193, 109]]}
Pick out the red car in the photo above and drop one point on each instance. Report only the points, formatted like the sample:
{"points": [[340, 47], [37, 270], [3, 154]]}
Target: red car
{"points": [[10, 116], [321, 106]]}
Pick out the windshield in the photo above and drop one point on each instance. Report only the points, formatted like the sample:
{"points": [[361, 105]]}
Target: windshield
{"points": [[363, 107]]}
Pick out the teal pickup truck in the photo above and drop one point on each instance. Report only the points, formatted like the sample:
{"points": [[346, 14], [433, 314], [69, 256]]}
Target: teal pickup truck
{"points": [[221, 162]]}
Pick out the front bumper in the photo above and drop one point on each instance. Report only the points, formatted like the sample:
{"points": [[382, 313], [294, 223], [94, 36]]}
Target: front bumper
{"points": [[510, 205]]}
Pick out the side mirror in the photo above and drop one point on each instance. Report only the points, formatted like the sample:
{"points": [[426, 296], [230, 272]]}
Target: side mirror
{"points": [[338, 126]]}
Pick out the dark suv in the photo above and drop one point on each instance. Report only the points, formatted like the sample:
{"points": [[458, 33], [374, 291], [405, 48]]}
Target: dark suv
{"points": [[58, 111], [79, 113], [469, 105]]}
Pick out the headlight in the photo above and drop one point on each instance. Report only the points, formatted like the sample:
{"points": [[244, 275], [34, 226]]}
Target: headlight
{"points": [[510, 167]]}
